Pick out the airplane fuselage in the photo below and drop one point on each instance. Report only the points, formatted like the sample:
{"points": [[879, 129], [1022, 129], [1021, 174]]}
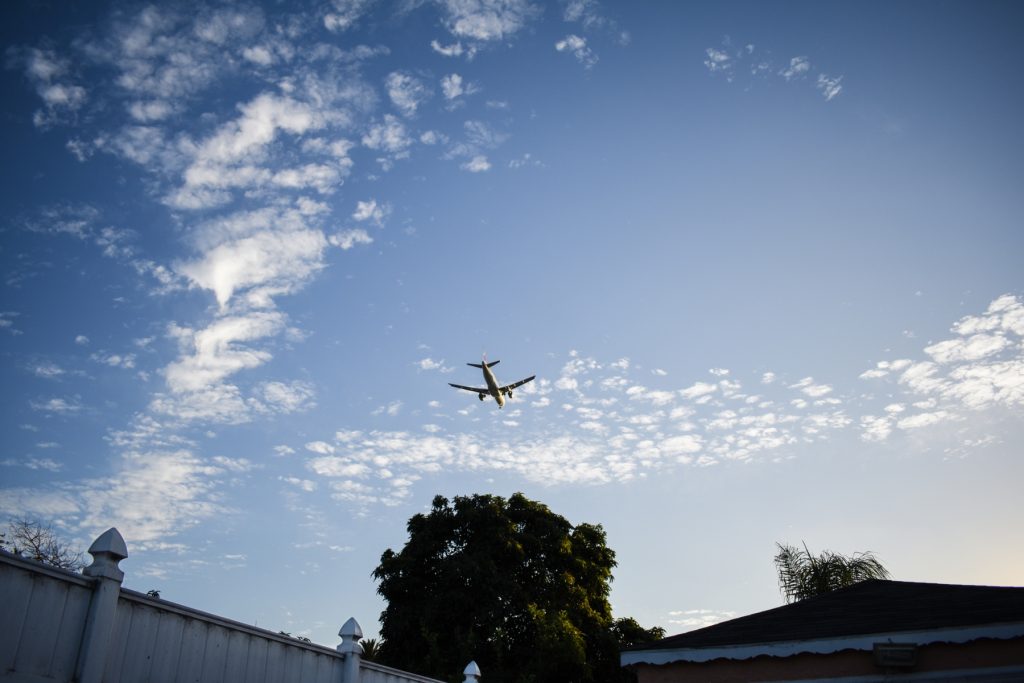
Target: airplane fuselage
{"points": [[492, 385]]}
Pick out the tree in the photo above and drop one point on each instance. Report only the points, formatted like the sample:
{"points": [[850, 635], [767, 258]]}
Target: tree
{"points": [[37, 541], [507, 583], [628, 632], [804, 575]]}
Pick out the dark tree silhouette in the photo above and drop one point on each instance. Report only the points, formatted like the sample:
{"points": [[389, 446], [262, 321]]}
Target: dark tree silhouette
{"points": [[507, 583]]}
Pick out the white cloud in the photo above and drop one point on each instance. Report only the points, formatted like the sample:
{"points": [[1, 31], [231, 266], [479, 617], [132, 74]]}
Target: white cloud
{"points": [[976, 347], [164, 57], [389, 136], [307, 485], [321, 447], [264, 252], [345, 13], [323, 178], [486, 20], [150, 110], [678, 445], [980, 367], [334, 466], [698, 389], [875, 428], [34, 463], [477, 164], [691, 619], [798, 67], [391, 409], [47, 370], [453, 50], [829, 87], [222, 403], [291, 397], [431, 364], [813, 390], [406, 92], [371, 211], [60, 406], [717, 60], [451, 86], [577, 46], [259, 54], [883, 368], [156, 494], [50, 75], [923, 420], [227, 158], [115, 360], [350, 238]]}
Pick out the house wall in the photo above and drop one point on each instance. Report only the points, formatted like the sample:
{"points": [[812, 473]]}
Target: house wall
{"points": [[989, 660]]}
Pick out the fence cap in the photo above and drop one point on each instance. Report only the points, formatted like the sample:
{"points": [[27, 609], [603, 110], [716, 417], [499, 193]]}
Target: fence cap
{"points": [[472, 669], [111, 542], [107, 551], [351, 629], [350, 634]]}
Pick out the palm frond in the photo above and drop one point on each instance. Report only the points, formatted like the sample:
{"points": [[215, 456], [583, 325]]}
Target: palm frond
{"points": [[802, 574]]}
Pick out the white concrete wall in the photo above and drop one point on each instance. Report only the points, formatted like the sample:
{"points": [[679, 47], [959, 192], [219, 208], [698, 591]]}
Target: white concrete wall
{"points": [[60, 626]]}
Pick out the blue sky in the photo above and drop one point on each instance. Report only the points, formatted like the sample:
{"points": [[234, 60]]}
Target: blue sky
{"points": [[764, 259]]}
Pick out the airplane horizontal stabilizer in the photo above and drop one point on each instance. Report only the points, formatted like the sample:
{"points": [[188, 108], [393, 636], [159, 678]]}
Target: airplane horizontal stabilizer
{"points": [[474, 365]]}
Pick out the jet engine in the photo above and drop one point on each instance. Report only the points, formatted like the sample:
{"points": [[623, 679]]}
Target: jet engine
{"points": [[481, 397], [510, 393]]}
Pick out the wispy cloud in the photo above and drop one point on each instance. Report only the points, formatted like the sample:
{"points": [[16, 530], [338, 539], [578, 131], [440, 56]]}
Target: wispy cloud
{"points": [[749, 65], [577, 47], [52, 79], [160, 488], [344, 14]]}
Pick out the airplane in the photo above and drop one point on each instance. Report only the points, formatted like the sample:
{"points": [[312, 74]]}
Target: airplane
{"points": [[492, 389]]}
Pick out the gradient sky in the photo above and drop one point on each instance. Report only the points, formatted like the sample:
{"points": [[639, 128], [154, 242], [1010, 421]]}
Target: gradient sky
{"points": [[765, 259]]}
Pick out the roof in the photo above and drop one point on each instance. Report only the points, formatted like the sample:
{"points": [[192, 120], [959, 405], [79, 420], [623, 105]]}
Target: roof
{"points": [[869, 607]]}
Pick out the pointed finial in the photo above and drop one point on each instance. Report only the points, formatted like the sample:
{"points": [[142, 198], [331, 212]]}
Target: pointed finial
{"points": [[107, 551], [350, 634], [472, 673]]}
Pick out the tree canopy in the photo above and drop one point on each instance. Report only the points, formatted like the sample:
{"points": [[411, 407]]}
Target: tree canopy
{"points": [[803, 575], [507, 583]]}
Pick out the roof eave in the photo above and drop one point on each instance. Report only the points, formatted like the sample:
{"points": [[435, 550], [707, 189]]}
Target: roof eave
{"points": [[963, 634]]}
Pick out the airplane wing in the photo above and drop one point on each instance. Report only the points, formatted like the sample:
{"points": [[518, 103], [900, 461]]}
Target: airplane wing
{"points": [[485, 390], [516, 384]]}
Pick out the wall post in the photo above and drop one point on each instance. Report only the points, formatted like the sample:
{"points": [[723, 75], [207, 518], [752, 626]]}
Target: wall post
{"points": [[472, 673], [350, 634], [107, 551]]}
